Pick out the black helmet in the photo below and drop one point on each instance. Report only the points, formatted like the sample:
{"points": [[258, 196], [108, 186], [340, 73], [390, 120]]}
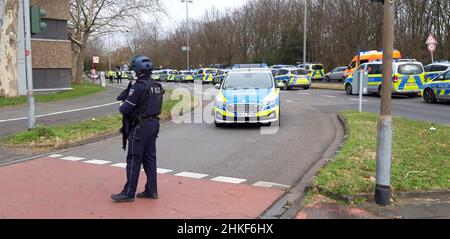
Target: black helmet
{"points": [[141, 64]]}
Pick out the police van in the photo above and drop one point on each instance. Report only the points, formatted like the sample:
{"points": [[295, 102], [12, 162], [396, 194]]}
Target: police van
{"points": [[168, 75], [293, 77], [436, 68], [437, 89], [188, 76], [408, 77], [206, 75], [156, 75], [315, 71], [247, 95]]}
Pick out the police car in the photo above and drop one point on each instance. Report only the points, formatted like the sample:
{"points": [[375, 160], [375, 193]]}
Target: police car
{"points": [[206, 75], [156, 75], [220, 76], [247, 95], [293, 77], [315, 71], [168, 75], [436, 68], [188, 76], [408, 77], [437, 89]]}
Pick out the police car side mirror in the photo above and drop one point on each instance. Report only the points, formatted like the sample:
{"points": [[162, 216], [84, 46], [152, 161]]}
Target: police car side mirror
{"points": [[217, 86]]}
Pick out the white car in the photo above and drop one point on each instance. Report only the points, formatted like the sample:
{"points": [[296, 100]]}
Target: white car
{"points": [[336, 74]]}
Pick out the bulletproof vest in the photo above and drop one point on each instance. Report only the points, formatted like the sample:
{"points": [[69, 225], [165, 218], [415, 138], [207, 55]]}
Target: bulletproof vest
{"points": [[151, 100]]}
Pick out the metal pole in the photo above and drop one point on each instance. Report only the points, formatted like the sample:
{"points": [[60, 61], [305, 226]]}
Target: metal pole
{"points": [[109, 52], [384, 148], [432, 57], [187, 36], [29, 66], [361, 80], [304, 33]]}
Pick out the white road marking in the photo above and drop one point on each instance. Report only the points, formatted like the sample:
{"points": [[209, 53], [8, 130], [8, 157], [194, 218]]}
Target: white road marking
{"points": [[119, 165], [62, 112], [289, 101], [55, 156], [163, 171], [192, 175], [329, 96], [304, 94], [228, 180], [270, 185], [354, 99], [70, 158], [98, 162]]}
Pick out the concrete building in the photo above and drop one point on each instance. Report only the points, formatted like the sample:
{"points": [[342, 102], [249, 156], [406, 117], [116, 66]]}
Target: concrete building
{"points": [[52, 55]]}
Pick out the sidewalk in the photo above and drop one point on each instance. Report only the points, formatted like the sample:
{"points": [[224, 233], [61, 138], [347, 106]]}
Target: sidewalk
{"points": [[414, 208], [55, 188]]}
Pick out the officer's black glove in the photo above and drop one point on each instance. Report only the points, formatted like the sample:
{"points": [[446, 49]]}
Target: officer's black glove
{"points": [[123, 96]]}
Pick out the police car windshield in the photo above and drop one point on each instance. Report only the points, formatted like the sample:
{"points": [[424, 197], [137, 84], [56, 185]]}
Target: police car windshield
{"points": [[210, 71], [410, 69], [317, 67], [239, 81], [299, 72]]}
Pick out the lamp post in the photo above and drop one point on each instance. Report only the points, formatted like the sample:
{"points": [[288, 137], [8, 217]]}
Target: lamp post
{"points": [[304, 34], [187, 33], [109, 52]]}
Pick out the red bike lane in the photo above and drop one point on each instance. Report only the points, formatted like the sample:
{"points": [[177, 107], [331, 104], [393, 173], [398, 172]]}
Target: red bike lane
{"points": [[51, 188]]}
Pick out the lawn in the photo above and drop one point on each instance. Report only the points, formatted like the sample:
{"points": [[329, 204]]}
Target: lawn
{"points": [[421, 158], [79, 90], [57, 136]]}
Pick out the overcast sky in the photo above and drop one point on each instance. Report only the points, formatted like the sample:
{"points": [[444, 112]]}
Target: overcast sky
{"points": [[176, 10]]}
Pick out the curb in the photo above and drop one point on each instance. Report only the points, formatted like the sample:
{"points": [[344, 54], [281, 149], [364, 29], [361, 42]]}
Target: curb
{"points": [[289, 204]]}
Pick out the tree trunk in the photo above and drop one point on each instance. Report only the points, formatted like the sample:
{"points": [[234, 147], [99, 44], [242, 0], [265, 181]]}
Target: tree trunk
{"points": [[80, 61], [8, 50], [75, 57]]}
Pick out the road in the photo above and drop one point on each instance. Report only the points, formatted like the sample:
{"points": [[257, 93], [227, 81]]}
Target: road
{"points": [[213, 158]]}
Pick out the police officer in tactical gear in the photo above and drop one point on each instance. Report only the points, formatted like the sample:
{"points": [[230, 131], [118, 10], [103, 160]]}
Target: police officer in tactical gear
{"points": [[141, 107]]}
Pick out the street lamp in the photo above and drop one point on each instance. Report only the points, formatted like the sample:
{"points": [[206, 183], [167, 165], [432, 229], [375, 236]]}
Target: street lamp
{"points": [[187, 32], [109, 51], [304, 34]]}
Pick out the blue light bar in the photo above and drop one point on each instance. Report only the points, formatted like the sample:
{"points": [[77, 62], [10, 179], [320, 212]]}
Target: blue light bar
{"points": [[240, 66]]}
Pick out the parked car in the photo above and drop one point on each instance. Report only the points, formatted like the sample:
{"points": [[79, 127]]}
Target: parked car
{"points": [[336, 74]]}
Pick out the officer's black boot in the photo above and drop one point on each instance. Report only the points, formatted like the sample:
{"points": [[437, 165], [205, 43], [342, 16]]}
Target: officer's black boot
{"points": [[147, 196], [121, 197]]}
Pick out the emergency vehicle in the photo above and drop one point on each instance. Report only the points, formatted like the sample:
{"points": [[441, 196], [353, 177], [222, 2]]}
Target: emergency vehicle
{"points": [[437, 89], [408, 77], [247, 95], [436, 68], [293, 77], [168, 75], [221, 74], [156, 75], [367, 57], [206, 75], [188, 76], [315, 71]]}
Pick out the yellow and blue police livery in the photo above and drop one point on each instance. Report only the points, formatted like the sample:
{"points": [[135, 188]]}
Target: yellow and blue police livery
{"points": [[168, 75], [206, 75], [293, 77], [315, 71], [408, 77], [436, 68], [221, 74], [437, 89], [247, 96]]}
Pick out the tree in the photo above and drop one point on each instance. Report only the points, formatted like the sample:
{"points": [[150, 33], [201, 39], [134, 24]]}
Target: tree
{"points": [[95, 18], [8, 50]]}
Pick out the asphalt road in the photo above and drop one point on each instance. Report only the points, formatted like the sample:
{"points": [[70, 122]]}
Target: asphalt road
{"points": [[245, 154]]}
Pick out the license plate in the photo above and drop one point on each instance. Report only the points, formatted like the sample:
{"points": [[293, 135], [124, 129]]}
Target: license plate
{"points": [[247, 115]]}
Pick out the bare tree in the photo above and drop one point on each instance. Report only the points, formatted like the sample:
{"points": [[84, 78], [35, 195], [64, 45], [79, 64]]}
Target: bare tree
{"points": [[94, 18]]}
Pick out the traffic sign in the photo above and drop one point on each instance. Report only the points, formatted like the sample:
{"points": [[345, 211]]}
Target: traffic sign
{"points": [[432, 47], [96, 60], [431, 40]]}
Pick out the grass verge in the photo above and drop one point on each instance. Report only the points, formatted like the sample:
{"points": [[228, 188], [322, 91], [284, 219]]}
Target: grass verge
{"points": [[79, 90], [43, 138], [421, 158], [327, 86]]}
